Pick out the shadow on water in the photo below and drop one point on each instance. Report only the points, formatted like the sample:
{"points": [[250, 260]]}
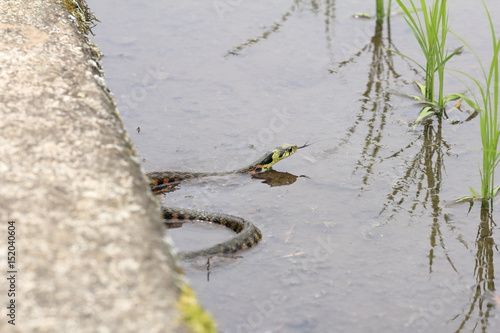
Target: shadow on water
{"points": [[483, 299]]}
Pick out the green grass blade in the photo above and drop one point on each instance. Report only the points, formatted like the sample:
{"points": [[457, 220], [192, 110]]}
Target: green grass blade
{"points": [[425, 113]]}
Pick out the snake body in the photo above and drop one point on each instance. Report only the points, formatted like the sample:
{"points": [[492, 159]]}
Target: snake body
{"points": [[247, 233]]}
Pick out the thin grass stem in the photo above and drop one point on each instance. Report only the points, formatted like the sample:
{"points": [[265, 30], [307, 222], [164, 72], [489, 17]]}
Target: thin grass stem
{"points": [[380, 11], [487, 103], [430, 26]]}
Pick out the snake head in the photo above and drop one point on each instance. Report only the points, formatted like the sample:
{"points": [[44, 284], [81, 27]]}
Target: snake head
{"points": [[272, 157], [283, 151], [286, 150]]}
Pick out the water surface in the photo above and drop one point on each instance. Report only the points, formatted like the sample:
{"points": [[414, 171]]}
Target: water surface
{"points": [[364, 241]]}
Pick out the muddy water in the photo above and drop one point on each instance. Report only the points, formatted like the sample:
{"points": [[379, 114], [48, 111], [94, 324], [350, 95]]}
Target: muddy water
{"points": [[357, 234]]}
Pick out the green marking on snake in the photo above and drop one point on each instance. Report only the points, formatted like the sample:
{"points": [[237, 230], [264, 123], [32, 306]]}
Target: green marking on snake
{"points": [[248, 234]]}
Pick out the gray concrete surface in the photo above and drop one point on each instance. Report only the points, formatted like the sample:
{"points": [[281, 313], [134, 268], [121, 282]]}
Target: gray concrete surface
{"points": [[88, 234]]}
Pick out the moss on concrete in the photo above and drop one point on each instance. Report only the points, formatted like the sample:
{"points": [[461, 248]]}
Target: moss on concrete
{"points": [[85, 19], [193, 315]]}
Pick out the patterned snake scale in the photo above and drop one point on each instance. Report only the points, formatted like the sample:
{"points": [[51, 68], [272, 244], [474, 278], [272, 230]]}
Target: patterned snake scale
{"points": [[248, 234]]}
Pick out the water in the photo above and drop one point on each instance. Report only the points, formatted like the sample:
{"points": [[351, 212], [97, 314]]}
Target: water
{"points": [[364, 242]]}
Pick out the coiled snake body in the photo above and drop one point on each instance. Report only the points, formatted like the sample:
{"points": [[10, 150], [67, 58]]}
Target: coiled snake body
{"points": [[247, 234]]}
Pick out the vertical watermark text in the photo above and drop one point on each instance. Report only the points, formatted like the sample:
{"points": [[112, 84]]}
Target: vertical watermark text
{"points": [[11, 272]]}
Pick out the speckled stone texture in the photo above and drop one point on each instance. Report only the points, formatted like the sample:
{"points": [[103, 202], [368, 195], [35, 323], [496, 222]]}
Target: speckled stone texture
{"points": [[90, 255]]}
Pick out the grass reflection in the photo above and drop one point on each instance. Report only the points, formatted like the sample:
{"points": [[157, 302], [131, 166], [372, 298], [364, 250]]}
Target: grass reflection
{"points": [[297, 6], [423, 172], [483, 300], [274, 28], [376, 96], [375, 101]]}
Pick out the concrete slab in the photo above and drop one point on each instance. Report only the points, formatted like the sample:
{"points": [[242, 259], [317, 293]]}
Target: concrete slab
{"points": [[85, 229]]}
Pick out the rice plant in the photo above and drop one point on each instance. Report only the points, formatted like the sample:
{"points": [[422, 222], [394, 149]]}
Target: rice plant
{"points": [[380, 10], [431, 28], [487, 104]]}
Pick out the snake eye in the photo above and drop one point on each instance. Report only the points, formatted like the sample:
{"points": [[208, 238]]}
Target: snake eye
{"points": [[286, 152]]}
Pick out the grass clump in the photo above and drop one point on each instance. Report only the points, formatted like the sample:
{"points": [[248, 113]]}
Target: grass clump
{"points": [[430, 28], [487, 103]]}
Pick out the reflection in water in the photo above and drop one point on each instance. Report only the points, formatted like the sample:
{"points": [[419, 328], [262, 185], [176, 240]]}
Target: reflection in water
{"points": [[276, 178], [270, 177], [272, 29], [375, 101], [482, 300], [421, 182], [297, 6], [424, 173], [329, 19]]}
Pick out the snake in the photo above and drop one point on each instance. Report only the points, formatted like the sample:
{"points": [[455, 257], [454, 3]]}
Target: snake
{"points": [[247, 234]]}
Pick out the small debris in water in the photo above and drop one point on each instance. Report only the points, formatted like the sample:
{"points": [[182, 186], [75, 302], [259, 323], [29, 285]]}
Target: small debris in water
{"points": [[289, 234], [296, 254], [362, 16]]}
